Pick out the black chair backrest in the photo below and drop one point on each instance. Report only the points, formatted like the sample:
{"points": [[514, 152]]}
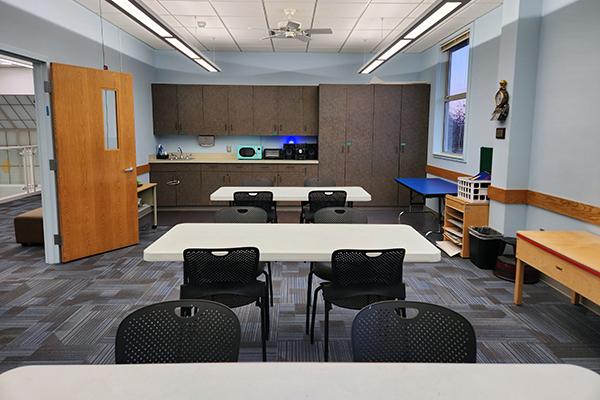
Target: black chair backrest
{"points": [[244, 215], [340, 215], [356, 268], [404, 331], [317, 181], [185, 331], [258, 182], [210, 267], [262, 200], [318, 199]]}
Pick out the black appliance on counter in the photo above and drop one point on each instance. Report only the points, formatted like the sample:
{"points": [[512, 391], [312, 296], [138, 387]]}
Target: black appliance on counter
{"points": [[272, 154], [304, 151]]}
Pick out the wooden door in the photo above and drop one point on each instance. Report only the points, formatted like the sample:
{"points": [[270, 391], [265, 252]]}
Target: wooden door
{"points": [[413, 135], [166, 189], [164, 109], [387, 107], [241, 110], [289, 113], [189, 189], [332, 132], [190, 108], [96, 179], [310, 110], [216, 109], [265, 110], [359, 135]]}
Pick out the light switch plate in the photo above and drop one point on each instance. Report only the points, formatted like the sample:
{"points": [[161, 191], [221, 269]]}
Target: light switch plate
{"points": [[228, 148]]}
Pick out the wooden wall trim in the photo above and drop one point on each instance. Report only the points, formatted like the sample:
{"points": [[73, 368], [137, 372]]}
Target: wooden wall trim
{"points": [[444, 173], [143, 169], [574, 209], [508, 196], [570, 208]]}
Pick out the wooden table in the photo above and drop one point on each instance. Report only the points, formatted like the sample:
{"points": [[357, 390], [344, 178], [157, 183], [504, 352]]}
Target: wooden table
{"points": [[292, 242], [570, 257], [318, 381], [291, 193], [147, 192]]}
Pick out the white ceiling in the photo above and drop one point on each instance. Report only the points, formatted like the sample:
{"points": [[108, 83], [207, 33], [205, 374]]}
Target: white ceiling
{"points": [[359, 26]]}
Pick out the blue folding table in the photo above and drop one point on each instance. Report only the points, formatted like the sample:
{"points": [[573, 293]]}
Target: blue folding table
{"points": [[428, 188]]}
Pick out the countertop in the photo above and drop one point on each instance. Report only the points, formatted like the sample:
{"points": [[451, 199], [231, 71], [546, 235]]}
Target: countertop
{"points": [[219, 158]]}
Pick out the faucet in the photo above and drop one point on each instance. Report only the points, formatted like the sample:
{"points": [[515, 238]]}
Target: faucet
{"points": [[180, 153]]}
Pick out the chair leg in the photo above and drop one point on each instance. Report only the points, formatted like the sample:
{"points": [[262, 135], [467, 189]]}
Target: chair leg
{"points": [[270, 282], [326, 336], [308, 294], [263, 329], [314, 314]]}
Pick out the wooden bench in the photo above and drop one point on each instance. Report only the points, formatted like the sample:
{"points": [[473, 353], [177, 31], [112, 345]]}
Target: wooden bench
{"points": [[29, 228]]}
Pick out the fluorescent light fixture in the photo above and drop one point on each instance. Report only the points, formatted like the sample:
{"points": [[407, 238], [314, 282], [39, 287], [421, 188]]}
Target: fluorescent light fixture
{"points": [[399, 45], [182, 47], [433, 19], [434, 15], [15, 63], [138, 13], [135, 12], [206, 65], [371, 67]]}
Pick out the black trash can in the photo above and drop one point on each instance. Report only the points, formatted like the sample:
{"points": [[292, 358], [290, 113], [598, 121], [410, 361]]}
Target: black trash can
{"points": [[486, 245]]}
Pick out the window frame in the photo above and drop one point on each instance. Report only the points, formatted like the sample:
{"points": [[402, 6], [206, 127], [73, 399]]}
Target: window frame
{"points": [[458, 96]]}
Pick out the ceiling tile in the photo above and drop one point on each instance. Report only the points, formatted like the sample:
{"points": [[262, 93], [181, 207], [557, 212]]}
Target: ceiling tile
{"points": [[303, 14], [339, 10], [239, 9], [387, 10], [334, 23], [188, 7], [245, 22], [378, 23], [192, 21], [249, 36]]}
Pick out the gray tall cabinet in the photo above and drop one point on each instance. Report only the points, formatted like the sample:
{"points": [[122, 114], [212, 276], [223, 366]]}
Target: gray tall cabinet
{"points": [[370, 134]]}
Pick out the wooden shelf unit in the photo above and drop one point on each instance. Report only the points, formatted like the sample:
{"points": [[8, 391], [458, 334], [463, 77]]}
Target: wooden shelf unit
{"points": [[459, 215]]}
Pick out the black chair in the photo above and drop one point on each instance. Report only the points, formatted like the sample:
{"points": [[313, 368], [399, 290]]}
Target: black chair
{"points": [[318, 199], [227, 276], [405, 331], [262, 200], [248, 215], [359, 278], [258, 182], [314, 182], [329, 215], [319, 181], [187, 331]]}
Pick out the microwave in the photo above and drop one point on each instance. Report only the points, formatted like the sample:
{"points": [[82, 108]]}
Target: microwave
{"points": [[249, 153]]}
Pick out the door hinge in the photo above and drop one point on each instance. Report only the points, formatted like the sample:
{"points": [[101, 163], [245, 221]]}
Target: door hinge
{"points": [[57, 240], [47, 86], [52, 164]]}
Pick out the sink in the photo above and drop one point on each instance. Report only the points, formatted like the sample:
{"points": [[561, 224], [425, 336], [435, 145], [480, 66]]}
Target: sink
{"points": [[177, 157]]}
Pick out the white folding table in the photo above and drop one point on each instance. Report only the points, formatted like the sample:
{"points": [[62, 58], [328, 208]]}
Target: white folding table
{"points": [[292, 242], [291, 193], [318, 381]]}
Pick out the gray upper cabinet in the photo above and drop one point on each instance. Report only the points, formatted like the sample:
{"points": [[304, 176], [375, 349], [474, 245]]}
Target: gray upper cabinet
{"points": [[190, 109], [164, 109], [289, 110], [332, 132], [241, 110], [216, 109], [310, 110], [265, 110], [359, 135]]}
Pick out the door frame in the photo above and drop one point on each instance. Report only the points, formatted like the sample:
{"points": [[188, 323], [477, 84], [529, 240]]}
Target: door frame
{"points": [[45, 139]]}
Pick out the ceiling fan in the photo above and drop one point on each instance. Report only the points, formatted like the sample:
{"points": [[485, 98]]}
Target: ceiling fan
{"points": [[291, 29]]}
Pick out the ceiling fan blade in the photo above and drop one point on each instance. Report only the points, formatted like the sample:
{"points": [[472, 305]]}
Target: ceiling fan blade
{"points": [[303, 38], [318, 31], [292, 25]]}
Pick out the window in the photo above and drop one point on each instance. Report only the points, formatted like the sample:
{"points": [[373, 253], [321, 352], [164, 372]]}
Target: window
{"points": [[455, 101], [109, 109]]}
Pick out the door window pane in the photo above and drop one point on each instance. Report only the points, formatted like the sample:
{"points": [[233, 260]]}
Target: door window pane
{"points": [[109, 111], [454, 126], [459, 67]]}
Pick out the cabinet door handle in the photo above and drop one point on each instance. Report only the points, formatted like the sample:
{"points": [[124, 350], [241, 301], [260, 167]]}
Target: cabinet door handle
{"points": [[275, 128], [559, 268], [225, 127], [280, 127], [402, 147], [230, 128], [174, 182], [304, 128]]}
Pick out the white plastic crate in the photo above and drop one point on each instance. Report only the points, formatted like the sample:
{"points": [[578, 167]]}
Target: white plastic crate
{"points": [[472, 190]]}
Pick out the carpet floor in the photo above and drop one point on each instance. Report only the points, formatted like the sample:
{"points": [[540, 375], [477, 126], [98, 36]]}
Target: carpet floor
{"points": [[68, 314]]}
